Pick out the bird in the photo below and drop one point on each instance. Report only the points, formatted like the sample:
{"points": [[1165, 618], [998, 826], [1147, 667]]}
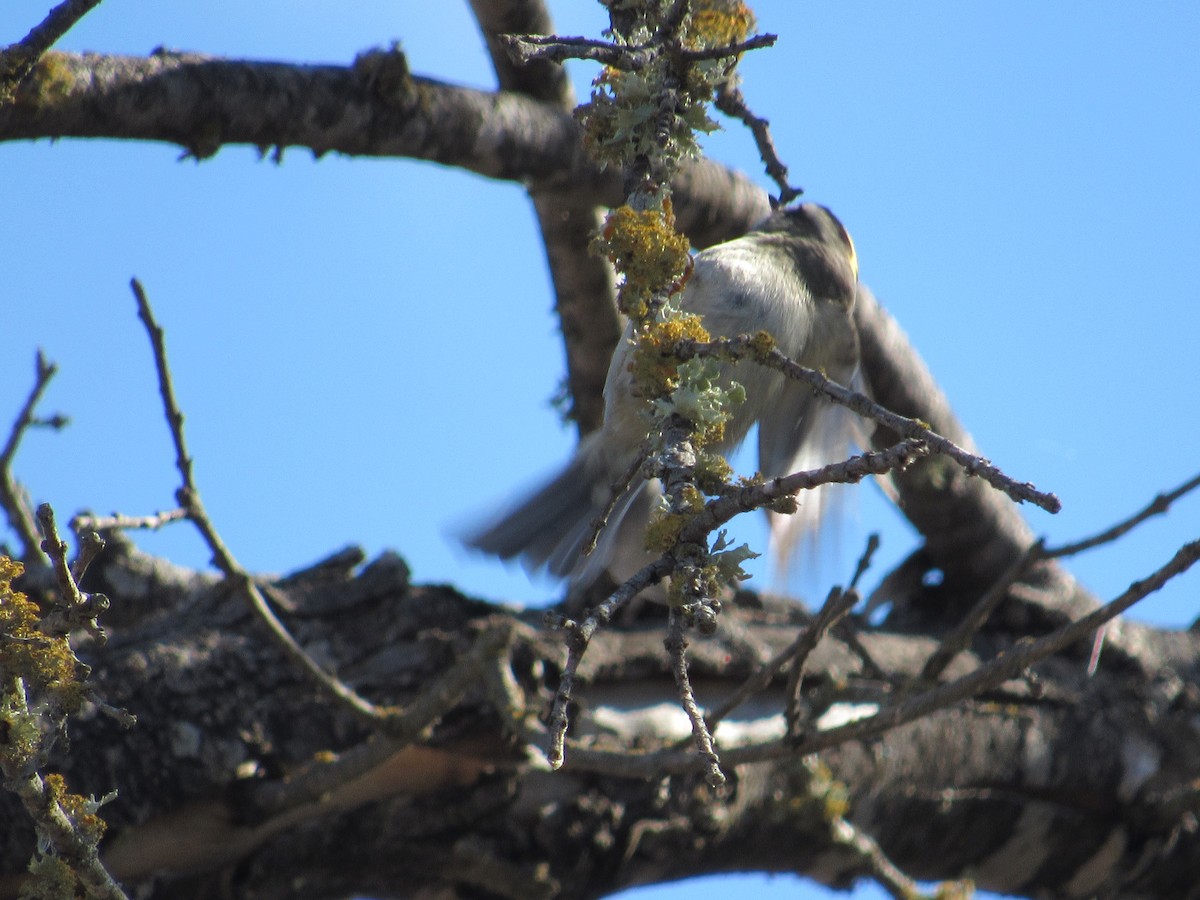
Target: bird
{"points": [[793, 275]]}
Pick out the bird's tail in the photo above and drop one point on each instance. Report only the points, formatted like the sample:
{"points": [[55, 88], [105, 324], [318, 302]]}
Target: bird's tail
{"points": [[548, 529]]}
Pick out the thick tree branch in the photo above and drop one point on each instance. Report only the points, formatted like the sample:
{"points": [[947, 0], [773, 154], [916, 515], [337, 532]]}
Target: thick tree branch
{"points": [[585, 295], [372, 108], [231, 722]]}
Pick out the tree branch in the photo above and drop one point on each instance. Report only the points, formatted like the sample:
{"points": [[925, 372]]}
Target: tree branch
{"points": [[18, 60], [13, 499], [584, 291]]}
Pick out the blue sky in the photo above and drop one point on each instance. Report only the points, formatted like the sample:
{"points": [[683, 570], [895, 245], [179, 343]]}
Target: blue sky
{"points": [[364, 349]]}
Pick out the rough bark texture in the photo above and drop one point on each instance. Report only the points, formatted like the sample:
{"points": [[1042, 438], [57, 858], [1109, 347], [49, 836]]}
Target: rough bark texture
{"points": [[1063, 786], [374, 107]]}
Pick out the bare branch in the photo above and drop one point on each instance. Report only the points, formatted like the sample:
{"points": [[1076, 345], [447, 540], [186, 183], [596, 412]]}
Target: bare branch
{"points": [[886, 872], [1003, 667], [346, 109], [730, 101], [743, 347], [578, 637], [836, 605], [117, 520], [864, 561], [526, 48], [76, 609], [676, 645], [1157, 506], [758, 495], [188, 497], [403, 727], [12, 496], [1025, 653], [958, 639]]}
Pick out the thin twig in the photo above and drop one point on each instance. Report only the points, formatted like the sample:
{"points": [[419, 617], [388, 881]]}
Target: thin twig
{"points": [[730, 101], [12, 497], [749, 497], [86, 522], [886, 872], [1157, 506], [864, 561], [867, 849], [188, 497], [958, 639], [578, 637], [744, 346], [90, 545], [525, 48], [76, 609], [836, 605], [403, 727], [615, 491], [676, 645]]}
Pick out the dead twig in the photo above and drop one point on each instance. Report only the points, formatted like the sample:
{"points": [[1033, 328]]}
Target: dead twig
{"points": [[87, 522], [958, 639], [750, 347], [13, 498], [579, 636], [525, 48], [1156, 507], [188, 498], [729, 100], [676, 645]]}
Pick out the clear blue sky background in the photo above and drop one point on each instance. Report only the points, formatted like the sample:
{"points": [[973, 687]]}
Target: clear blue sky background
{"points": [[365, 350]]}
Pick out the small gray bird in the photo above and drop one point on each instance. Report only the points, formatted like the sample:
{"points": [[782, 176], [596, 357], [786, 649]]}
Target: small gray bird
{"points": [[793, 276]]}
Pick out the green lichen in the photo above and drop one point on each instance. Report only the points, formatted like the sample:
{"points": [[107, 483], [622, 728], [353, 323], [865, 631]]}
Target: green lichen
{"points": [[52, 879]]}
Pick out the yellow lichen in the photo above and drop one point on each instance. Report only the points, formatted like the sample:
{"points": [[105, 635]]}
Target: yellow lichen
{"points": [[712, 471], [761, 344], [46, 664], [81, 810], [52, 879], [718, 23], [51, 81], [655, 370], [646, 250], [663, 531]]}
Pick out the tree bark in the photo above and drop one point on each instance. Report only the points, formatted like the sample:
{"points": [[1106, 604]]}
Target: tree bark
{"points": [[1057, 785]]}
